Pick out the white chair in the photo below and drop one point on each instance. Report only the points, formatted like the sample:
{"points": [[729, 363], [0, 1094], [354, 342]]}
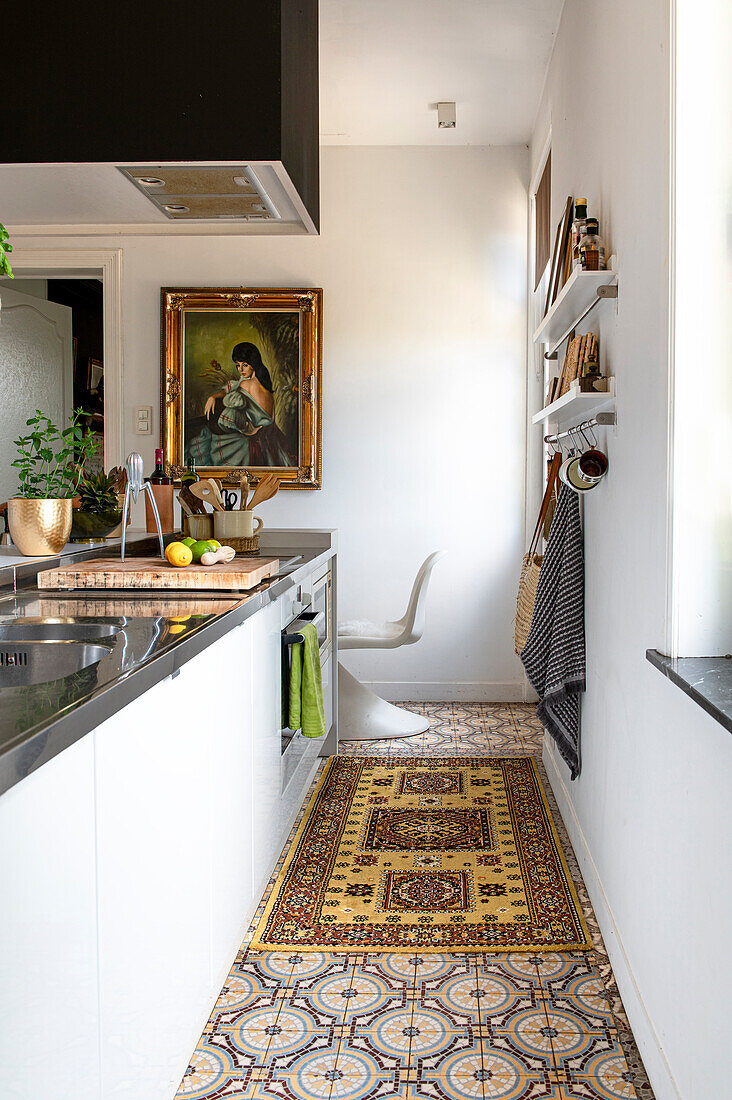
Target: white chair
{"points": [[363, 715]]}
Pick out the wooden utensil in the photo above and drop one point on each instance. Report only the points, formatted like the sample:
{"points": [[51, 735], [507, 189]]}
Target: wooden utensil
{"points": [[203, 490], [188, 500], [186, 507], [267, 488], [216, 489], [243, 492]]}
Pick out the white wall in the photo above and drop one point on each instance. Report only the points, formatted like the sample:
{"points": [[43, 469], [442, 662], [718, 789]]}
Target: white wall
{"points": [[650, 815], [422, 262]]}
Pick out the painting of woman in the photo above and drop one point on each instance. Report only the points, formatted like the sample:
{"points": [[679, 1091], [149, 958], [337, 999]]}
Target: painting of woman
{"points": [[241, 431]]}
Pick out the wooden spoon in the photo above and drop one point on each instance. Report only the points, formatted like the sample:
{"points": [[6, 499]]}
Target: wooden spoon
{"points": [[243, 492], [266, 489], [216, 487], [204, 491]]}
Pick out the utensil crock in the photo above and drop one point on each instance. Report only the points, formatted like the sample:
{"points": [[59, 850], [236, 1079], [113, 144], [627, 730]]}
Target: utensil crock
{"points": [[241, 525]]}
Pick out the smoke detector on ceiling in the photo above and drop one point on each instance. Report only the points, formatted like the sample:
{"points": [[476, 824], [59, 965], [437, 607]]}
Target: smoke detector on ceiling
{"points": [[446, 116]]}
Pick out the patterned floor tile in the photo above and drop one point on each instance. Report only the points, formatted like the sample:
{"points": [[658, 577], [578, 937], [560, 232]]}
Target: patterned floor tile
{"points": [[210, 1069], [361, 1025]]}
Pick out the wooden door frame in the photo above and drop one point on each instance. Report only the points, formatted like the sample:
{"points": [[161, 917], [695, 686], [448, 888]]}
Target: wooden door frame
{"points": [[104, 263]]}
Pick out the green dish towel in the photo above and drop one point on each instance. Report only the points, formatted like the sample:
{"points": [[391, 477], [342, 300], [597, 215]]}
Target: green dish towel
{"points": [[306, 685]]}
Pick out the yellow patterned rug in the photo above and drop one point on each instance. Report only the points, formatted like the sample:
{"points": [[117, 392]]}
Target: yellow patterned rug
{"points": [[434, 854]]}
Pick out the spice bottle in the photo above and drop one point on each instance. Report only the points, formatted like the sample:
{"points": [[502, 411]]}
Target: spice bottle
{"points": [[578, 229], [592, 247]]}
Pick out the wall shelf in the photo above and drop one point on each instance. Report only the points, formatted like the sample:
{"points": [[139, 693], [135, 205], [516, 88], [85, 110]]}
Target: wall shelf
{"points": [[575, 406], [578, 295]]}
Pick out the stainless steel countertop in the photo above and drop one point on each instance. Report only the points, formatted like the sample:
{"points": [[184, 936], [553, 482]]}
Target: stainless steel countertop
{"points": [[158, 633]]}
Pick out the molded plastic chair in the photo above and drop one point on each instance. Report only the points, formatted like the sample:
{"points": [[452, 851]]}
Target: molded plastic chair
{"points": [[363, 715]]}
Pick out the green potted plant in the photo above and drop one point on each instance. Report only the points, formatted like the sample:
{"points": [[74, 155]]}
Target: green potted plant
{"points": [[5, 249], [99, 511], [49, 464]]}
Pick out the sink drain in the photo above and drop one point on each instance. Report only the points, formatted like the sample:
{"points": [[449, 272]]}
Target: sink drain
{"points": [[13, 658]]}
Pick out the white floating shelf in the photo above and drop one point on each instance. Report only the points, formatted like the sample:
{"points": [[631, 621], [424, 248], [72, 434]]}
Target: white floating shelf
{"points": [[575, 297], [574, 407]]}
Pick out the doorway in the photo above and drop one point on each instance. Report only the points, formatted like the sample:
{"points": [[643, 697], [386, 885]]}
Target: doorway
{"points": [[52, 359], [102, 267]]}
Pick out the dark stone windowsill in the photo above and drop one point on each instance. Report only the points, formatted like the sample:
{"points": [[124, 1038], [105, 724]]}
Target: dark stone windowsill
{"points": [[706, 680]]}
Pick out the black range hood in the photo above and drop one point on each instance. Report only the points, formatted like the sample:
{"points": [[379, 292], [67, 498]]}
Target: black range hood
{"points": [[229, 87]]}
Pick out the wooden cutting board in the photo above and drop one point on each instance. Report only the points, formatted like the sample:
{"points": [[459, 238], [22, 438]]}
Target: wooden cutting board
{"points": [[238, 575]]}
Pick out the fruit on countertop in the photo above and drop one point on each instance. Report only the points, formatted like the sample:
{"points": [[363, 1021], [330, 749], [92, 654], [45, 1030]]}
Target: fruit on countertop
{"points": [[188, 541], [201, 547], [178, 554], [223, 555]]}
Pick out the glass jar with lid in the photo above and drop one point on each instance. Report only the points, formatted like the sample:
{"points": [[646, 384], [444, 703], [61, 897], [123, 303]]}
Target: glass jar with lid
{"points": [[592, 247]]}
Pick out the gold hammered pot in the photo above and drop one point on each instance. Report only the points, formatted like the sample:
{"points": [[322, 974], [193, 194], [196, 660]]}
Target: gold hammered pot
{"points": [[39, 528]]}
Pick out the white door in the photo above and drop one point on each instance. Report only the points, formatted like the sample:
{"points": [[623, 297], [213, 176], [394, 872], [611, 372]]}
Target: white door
{"points": [[36, 371]]}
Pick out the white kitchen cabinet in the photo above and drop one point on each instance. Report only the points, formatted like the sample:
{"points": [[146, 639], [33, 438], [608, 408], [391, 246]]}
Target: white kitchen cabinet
{"points": [[228, 740], [49, 1024], [153, 795], [266, 756], [131, 864]]}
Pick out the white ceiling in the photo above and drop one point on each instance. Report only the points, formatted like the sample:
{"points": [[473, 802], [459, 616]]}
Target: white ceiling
{"points": [[384, 62]]}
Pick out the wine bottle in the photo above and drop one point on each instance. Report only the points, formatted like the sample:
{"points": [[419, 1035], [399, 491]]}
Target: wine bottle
{"points": [[189, 475], [159, 476]]}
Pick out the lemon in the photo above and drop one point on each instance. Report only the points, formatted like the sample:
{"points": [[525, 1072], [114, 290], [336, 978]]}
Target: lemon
{"points": [[215, 544], [201, 547], [178, 554]]}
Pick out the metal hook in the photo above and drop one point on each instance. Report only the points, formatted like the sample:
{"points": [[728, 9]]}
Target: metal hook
{"points": [[581, 430]]}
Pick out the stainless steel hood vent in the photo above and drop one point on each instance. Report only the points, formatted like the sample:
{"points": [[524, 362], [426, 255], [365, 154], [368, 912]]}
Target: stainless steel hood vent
{"points": [[194, 192]]}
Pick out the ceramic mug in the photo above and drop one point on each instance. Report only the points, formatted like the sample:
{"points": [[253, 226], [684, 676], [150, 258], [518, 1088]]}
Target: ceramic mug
{"points": [[236, 525], [199, 526]]}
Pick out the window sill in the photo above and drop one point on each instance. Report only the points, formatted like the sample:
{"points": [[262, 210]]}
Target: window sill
{"points": [[706, 680]]}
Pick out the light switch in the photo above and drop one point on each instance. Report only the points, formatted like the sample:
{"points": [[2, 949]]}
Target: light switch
{"points": [[143, 420]]}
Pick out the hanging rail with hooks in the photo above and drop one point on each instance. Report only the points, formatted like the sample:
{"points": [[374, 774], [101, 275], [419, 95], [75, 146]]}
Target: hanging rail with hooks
{"points": [[602, 420]]}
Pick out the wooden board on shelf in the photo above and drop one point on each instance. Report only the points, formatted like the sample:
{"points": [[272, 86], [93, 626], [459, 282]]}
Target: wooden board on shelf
{"points": [[239, 575]]}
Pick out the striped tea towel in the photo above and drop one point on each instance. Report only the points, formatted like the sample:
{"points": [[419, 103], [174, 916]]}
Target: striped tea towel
{"points": [[554, 654]]}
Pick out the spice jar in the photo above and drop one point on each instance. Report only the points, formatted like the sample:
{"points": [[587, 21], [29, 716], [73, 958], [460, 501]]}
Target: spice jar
{"points": [[592, 247]]}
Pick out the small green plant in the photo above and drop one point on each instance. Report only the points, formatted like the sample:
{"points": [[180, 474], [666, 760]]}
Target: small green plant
{"points": [[5, 248], [50, 462], [97, 494]]}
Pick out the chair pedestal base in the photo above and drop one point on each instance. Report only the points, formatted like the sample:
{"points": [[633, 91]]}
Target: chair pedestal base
{"points": [[365, 716]]}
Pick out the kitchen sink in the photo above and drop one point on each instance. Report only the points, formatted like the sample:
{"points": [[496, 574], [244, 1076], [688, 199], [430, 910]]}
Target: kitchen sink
{"points": [[36, 662], [55, 632]]}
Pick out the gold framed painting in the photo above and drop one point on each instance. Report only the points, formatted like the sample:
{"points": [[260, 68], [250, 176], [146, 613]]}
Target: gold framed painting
{"points": [[240, 382]]}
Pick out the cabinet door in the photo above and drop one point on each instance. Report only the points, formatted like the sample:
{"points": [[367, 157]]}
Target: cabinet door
{"points": [[49, 1028], [154, 885], [228, 737], [266, 723]]}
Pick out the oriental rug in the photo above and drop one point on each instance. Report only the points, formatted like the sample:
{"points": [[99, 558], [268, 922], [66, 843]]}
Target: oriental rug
{"points": [[446, 854]]}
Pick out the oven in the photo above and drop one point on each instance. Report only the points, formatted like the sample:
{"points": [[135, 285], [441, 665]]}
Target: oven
{"points": [[306, 603]]}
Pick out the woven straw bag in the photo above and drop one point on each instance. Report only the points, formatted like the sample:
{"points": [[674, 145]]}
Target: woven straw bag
{"points": [[531, 565]]}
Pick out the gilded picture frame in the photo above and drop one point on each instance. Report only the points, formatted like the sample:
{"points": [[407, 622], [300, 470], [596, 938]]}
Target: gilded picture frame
{"points": [[240, 382]]}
